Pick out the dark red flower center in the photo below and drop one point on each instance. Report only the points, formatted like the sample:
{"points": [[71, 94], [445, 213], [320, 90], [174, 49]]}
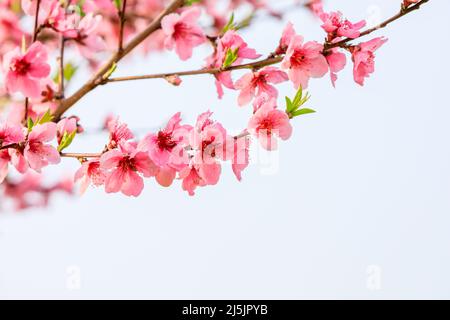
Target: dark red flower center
{"points": [[20, 66], [298, 58], [127, 163], [165, 141]]}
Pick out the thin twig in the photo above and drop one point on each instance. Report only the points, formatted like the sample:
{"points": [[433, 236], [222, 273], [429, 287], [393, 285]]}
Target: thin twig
{"points": [[265, 62], [122, 24], [35, 34]]}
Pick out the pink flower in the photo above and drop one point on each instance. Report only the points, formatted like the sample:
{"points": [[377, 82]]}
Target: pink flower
{"points": [[304, 61], [85, 34], [316, 6], [363, 58], [118, 132], [240, 159], [182, 32], [229, 42], [165, 176], [36, 152], [10, 134], [191, 180], [268, 122], [51, 14], [288, 34], [336, 61], [4, 162], [258, 83], [66, 126], [208, 139], [25, 71], [336, 26], [167, 144], [90, 173], [124, 166]]}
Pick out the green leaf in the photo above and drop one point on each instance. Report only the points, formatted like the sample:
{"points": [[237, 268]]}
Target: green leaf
{"points": [[302, 112], [69, 71], [230, 24], [66, 140], [30, 124], [118, 4], [47, 117], [191, 2], [230, 57]]}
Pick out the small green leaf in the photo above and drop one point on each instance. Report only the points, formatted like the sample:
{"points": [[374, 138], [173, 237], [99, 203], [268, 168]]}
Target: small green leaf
{"points": [[69, 71], [118, 4], [302, 112], [30, 124], [230, 24], [66, 140], [230, 57], [191, 2], [47, 117]]}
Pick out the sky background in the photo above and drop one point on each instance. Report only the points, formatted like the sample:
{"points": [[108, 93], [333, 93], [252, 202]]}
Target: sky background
{"points": [[355, 205]]}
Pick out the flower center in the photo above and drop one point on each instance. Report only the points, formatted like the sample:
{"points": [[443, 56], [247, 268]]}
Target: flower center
{"points": [[165, 141], [298, 58], [20, 66], [266, 125], [127, 164]]}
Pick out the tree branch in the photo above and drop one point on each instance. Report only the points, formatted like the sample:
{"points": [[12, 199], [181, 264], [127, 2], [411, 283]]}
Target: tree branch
{"points": [[271, 60], [96, 79]]}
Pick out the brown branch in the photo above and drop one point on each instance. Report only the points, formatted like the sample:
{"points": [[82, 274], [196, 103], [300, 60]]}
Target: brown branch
{"points": [[122, 24], [80, 155], [96, 79], [271, 60], [35, 34]]}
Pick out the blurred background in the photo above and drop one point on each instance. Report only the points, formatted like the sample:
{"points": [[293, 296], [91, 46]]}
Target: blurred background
{"points": [[355, 205]]}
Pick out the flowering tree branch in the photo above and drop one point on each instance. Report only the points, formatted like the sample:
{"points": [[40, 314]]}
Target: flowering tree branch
{"points": [[271, 60], [193, 153]]}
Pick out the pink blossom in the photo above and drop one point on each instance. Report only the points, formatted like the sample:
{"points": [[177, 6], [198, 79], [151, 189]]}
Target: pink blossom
{"points": [[182, 32], [256, 83], [268, 122], [25, 71], [363, 58], [165, 146], [85, 34], [51, 14], [37, 153], [9, 135], [90, 173], [4, 162], [191, 179], [125, 166], [66, 126], [165, 176], [336, 61], [304, 61], [288, 34], [118, 132], [336, 26], [316, 6], [208, 139], [240, 159], [229, 42]]}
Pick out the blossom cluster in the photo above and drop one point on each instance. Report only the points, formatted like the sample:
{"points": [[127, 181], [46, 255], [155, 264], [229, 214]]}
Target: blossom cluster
{"points": [[34, 132]]}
